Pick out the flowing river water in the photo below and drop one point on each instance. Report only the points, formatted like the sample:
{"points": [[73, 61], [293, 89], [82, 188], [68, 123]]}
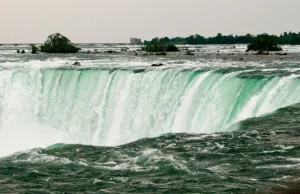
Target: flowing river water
{"points": [[117, 125]]}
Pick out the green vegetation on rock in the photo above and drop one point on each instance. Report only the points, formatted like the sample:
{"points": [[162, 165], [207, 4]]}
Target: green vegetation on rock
{"points": [[171, 48], [57, 43], [34, 49], [264, 42], [160, 45]]}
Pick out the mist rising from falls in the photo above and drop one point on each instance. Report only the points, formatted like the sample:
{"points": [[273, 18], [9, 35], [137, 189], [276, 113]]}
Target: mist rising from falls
{"points": [[113, 107]]}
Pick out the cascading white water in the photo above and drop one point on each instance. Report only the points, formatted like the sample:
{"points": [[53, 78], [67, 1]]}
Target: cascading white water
{"points": [[113, 107]]}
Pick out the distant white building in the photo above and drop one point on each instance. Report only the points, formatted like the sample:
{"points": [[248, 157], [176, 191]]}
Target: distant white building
{"points": [[135, 41]]}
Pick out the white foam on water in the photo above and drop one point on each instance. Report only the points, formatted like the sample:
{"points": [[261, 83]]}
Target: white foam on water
{"points": [[15, 138], [44, 106]]}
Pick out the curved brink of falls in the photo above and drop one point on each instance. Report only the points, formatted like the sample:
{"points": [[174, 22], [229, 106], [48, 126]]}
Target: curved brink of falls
{"points": [[113, 107]]}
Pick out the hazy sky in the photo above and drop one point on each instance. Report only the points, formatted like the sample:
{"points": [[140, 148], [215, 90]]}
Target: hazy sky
{"points": [[26, 21]]}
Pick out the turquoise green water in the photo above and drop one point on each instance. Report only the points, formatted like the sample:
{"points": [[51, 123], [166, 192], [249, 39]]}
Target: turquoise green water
{"points": [[261, 157], [137, 129], [114, 107]]}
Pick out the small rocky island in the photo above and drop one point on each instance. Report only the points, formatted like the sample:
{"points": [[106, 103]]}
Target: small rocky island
{"points": [[264, 43], [57, 43]]}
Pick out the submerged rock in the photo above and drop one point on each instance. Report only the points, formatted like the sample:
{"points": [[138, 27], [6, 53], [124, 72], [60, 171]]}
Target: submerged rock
{"points": [[281, 53], [77, 64], [157, 65], [161, 53], [110, 51], [34, 49], [189, 53], [262, 53]]}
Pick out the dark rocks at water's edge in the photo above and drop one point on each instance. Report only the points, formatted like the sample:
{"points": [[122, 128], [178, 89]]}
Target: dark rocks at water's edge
{"points": [[161, 54], [96, 51], [268, 53], [189, 53], [262, 53], [157, 65], [124, 49], [22, 52], [281, 54], [92, 52], [77, 64], [110, 51]]}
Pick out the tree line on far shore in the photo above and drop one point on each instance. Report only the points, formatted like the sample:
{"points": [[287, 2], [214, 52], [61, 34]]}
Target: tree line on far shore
{"points": [[57, 43], [291, 38], [261, 43]]}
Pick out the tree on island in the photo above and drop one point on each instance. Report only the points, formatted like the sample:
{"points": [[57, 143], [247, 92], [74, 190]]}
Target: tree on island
{"points": [[160, 45], [34, 49], [171, 48], [264, 42], [57, 43], [156, 45]]}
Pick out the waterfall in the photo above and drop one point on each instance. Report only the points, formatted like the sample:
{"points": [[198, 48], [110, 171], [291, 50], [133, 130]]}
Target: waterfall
{"points": [[112, 107]]}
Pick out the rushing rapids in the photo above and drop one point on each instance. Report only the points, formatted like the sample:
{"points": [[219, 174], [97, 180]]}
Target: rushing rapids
{"points": [[110, 107], [208, 123]]}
